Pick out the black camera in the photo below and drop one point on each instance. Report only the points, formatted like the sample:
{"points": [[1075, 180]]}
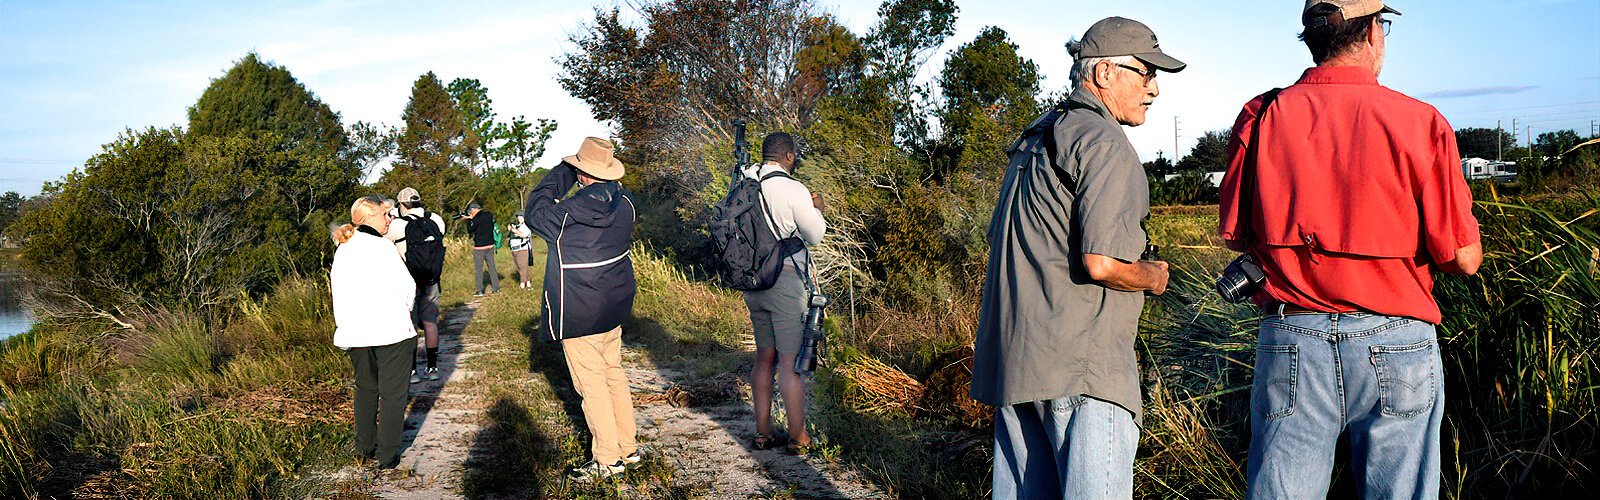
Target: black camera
{"points": [[805, 361], [1241, 279]]}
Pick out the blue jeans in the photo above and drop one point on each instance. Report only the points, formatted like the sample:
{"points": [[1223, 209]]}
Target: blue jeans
{"points": [[1072, 447], [1376, 379]]}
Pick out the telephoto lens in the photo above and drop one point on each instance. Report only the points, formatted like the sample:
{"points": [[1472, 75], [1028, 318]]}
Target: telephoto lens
{"points": [[805, 362]]}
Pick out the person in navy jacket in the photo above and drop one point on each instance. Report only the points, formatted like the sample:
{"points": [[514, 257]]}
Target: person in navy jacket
{"points": [[588, 292]]}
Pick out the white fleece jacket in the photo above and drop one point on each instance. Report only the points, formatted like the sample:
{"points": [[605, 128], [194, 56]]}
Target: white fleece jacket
{"points": [[372, 293]]}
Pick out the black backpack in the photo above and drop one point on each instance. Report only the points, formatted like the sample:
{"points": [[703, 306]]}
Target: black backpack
{"points": [[424, 249], [749, 255]]}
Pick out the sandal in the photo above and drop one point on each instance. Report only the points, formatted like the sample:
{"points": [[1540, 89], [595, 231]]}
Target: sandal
{"points": [[765, 442], [799, 450]]}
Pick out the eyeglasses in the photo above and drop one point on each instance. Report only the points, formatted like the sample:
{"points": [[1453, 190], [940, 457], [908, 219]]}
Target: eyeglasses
{"points": [[1385, 24], [1148, 75]]}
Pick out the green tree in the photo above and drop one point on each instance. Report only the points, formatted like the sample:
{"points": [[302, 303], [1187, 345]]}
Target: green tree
{"points": [[434, 138], [898, 45], [1485, 143], [520, 145], [1159, 167], [477, 114], [370, 145], [10, 203], [259, 111], [987, 76], [1552, 144], [831, 61], [1210, 153], [159, 217], [255, 97], [432, 148]]}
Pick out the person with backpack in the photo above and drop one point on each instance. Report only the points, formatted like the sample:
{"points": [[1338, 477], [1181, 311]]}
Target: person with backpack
{"points": [[480, 225], [372, 295], [588, 293], [1067, 273], [422, 247], [778, 313]]}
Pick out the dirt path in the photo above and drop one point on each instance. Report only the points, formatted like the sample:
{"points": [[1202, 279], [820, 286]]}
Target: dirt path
{"points": [[443, 417], [708, 441], [705, 441]]}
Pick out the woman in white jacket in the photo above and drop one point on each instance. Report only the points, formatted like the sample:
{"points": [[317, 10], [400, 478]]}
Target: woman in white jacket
{"points": [[372, 297]]}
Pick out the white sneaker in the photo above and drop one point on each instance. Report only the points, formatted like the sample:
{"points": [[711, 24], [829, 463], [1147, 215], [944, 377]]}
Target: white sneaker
{"points": [[414, 376], [594, 471], [636, 456], [433, 373]]}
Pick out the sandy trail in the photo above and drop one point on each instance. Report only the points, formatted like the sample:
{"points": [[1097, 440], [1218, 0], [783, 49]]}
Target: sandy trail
{"points": [[710, 445], [443, 417], [706, 444]]}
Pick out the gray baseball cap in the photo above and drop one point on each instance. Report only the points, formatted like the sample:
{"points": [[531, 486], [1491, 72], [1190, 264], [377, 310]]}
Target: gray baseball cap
{"points": [[1120, 36]]}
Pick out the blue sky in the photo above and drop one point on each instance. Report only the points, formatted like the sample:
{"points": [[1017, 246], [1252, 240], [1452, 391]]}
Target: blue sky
{"points": [[75, 74]]}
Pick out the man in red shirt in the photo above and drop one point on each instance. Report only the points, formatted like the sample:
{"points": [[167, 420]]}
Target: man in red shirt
{"points": [[1354, 199]]}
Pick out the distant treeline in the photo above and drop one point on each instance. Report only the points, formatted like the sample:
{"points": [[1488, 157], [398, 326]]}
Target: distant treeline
{"points": [[244, 195]]}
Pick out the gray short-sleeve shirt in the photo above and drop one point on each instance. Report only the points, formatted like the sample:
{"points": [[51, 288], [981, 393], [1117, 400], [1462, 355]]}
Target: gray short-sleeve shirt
{"points": [[1046, 330]]}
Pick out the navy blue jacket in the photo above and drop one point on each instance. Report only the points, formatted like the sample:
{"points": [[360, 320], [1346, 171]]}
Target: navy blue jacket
{"points": [[588, 277]]}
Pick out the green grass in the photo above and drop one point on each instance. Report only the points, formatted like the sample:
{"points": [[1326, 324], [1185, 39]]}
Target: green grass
{"points": [[181, 409]]}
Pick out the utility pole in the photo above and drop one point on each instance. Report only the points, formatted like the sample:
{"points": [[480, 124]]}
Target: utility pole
{"points": [[1174, 140], [1514, 130], [1499, 151], [1594, 128], [1530, 139]]}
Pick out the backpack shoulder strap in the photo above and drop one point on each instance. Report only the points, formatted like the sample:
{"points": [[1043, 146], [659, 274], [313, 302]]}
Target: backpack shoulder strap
{"points": [[1045, 128], [1247, 183], [775, 173]]}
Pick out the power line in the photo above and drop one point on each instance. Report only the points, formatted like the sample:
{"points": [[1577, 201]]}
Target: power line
{"points": [[1499, 110]]}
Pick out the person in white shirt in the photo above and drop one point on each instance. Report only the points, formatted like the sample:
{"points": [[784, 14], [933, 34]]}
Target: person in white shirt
{"points": [[425, 313], [778, 314], [372, 299], [521, 241]]}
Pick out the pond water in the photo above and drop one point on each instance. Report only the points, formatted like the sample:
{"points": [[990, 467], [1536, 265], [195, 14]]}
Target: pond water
{"points": [[14, 317]]}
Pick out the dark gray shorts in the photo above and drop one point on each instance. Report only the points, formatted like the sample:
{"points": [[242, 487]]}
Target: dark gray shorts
{"points": [[426, 307], [778, 314]]}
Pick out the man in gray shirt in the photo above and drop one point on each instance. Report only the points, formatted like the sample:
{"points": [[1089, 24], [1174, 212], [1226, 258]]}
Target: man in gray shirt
{"points": [[1065, 284]]}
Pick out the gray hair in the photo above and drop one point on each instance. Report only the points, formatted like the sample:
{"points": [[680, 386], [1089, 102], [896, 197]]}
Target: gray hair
{"points": [[1083, 67]]}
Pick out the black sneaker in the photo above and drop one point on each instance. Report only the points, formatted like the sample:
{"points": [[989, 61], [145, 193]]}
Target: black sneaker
{"points": [[433, 373], [415, 377]]}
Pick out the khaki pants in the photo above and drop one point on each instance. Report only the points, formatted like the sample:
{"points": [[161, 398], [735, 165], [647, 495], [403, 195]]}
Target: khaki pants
{"points": [[595, 362], [520, 257]]}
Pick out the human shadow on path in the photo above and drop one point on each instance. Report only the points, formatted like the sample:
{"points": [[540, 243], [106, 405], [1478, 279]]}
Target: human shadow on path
{"points": [[504, 452], [732, 412], [423, 395]]}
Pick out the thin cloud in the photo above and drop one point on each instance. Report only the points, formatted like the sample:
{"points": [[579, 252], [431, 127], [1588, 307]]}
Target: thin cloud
{"points": [[1478, 91]]}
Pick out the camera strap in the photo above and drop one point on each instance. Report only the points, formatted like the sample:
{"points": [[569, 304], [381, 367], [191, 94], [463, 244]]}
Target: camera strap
{"points": [[1247, 184]]}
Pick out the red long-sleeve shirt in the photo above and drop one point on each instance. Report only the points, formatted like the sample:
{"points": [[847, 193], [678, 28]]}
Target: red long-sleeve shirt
{"points": [[1359, 194]]}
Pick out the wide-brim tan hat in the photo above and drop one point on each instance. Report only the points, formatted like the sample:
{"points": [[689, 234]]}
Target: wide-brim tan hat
{"points": [[597, 157]]}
